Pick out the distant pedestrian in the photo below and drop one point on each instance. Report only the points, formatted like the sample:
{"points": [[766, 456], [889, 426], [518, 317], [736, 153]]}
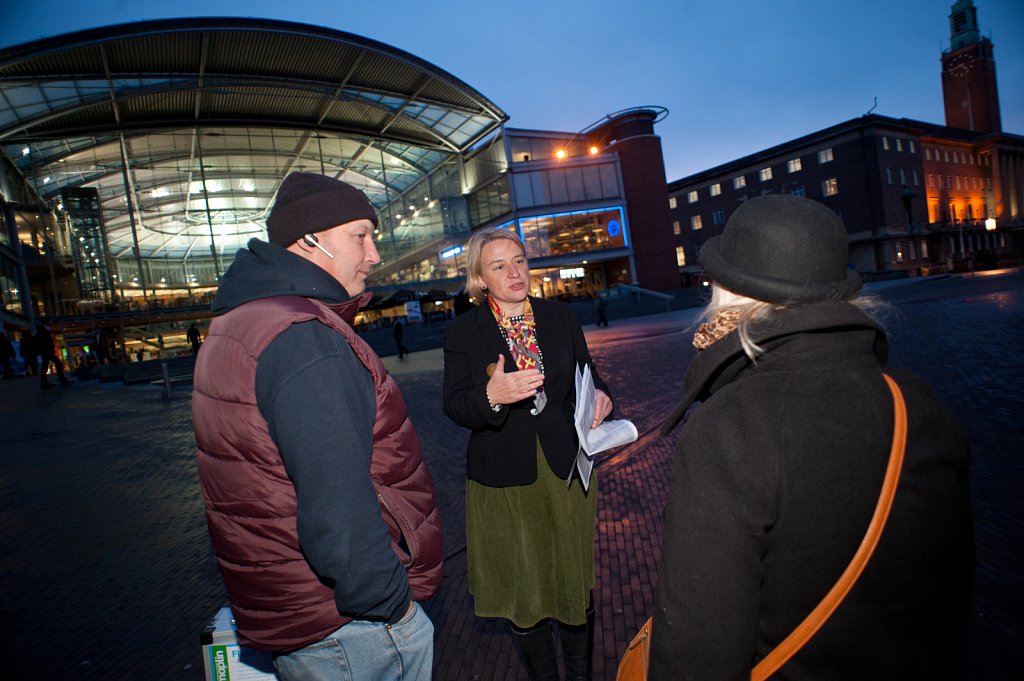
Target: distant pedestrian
{"points": [[399, 334], [602, 317], [138, 355], [48, 353], [7, 355], [194, 338], [101, 347], [29, 353]]}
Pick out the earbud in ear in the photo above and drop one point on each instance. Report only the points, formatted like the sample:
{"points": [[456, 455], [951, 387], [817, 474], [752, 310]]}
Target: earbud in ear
{"points": [[313, 242]]}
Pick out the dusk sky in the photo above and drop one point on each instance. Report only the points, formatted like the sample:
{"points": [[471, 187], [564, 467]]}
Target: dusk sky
{"points": [[737, 77]]}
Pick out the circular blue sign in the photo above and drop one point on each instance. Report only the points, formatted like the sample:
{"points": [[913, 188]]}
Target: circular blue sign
{"points": [[613, 228]]}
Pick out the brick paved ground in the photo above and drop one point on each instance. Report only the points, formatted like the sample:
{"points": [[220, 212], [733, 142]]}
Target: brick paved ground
{"points": [[105, 567]]}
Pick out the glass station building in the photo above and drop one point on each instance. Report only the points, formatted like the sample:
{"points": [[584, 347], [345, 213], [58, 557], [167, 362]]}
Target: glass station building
{"points": [[137, 159]]}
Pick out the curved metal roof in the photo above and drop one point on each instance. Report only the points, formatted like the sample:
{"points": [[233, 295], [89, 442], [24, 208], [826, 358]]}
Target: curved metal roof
{"points": [[209, 115]]}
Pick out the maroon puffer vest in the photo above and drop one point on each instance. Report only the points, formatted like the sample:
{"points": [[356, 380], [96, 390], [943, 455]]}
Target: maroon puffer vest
{"points": [[277, 600]]}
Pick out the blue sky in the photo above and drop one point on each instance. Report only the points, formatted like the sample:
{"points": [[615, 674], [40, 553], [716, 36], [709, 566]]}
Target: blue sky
{"points": [[736, 76]]}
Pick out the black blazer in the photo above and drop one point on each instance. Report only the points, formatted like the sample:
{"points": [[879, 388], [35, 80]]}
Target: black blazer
{"points": [[503, 446]]}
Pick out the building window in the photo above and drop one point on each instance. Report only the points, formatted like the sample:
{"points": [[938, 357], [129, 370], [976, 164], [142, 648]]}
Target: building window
{"points": [[945, 154], [696, 223], [949, 182], [924, 249], [680, 256], [574, 232], [903, 177], [676, 229], [957, 178], [798, 190], [927, 153], [830, 187], [718, 216], [899, 144], [716, 189], [671, 202], [794, 165], [739, 182], [911, 251], [825, 155], [913, 174], [898, 246], [931, 181], [692, 197], [885, 143], [988, 183], [888, 175], [765, 174], [913, 149]]}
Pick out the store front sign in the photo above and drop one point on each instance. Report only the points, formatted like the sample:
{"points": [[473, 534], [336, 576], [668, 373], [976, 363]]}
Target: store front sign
{"points": [[571, 273], [451, 252]]}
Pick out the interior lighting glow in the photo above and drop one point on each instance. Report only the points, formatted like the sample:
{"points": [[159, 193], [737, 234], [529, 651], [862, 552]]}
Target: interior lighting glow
{"points": [[46, 180], [26, 151]]}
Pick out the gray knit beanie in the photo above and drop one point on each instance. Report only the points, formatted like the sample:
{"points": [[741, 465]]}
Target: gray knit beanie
{"points": [[309, 203]]}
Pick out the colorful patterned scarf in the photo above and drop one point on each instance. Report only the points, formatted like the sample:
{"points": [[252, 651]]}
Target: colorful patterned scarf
{"points": [[521, 335]]}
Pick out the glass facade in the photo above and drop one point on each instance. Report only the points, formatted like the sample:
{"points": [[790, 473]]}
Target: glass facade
{"points": [[573, 184], [571, 232], [88, 243], [9, 292]]}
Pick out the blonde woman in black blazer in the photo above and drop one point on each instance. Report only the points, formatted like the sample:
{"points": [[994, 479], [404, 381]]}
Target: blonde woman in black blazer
{"points": [[509, 377]]}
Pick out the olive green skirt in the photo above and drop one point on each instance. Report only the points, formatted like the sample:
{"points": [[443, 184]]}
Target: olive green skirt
{"points": [[531, 548]]}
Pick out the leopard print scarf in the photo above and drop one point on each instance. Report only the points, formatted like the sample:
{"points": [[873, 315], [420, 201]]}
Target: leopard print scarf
{"points": [[723, 323]]}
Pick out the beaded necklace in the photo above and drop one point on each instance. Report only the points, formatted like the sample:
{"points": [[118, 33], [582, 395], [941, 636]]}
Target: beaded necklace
{"points": [[520, 334]]}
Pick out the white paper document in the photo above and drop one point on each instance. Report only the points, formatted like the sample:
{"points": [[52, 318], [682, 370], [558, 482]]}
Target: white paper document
{"points": [[607, 435]]}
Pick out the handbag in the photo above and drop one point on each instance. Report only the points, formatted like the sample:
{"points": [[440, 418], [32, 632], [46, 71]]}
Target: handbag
{"points": [[635, 662]]}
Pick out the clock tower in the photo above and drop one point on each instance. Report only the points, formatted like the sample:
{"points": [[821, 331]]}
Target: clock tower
{"points": [[969, 74]]}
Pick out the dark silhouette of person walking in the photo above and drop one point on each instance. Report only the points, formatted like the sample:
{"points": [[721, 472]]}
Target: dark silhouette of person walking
{"points": [[602, 316], [29, 353], [48, 352], [399, 334], [194, 338], [6, 355]]}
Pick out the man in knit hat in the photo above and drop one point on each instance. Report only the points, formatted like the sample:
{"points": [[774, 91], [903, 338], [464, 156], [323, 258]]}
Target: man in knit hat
{"points": [[320, 508]]}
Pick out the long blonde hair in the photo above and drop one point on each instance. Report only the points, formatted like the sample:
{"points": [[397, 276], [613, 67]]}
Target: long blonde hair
{"points": [[752, 311]]}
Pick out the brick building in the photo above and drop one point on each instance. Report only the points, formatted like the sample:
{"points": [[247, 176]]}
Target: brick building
{"points": [[916, 197]]}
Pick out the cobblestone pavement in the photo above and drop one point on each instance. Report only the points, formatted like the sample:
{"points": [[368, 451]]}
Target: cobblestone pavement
{"points": [[106, 567]]}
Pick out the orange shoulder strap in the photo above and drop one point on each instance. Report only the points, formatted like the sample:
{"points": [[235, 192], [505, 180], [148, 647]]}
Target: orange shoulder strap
{"points": [[796, 640]]}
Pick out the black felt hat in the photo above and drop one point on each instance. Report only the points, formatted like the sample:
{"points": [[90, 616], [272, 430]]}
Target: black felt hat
{"points": [[308, 203], [782, 249]]}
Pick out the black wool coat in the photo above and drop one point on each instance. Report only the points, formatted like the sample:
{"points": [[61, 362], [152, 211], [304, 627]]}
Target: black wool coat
{"points": [[774, 484], [503, 445]]}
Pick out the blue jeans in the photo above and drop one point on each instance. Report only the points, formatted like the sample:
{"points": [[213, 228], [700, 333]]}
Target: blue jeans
{"points": [[366, 651]]}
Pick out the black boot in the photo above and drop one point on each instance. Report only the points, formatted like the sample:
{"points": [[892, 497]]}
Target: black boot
{"points": [[538, 648], [578, 649]]}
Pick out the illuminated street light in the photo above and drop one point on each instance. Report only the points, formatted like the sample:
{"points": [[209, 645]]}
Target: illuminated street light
{"points": [[560, 153]]}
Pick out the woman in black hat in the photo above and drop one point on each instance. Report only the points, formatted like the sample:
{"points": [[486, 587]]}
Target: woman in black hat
{"points": [[779, 470]]}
